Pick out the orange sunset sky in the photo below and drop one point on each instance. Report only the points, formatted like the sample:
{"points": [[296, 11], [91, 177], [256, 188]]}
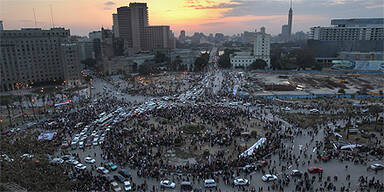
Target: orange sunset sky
{"points": [[208, 16]]}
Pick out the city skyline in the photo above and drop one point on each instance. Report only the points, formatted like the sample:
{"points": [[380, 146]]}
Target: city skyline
{"points": [[226, 16]]}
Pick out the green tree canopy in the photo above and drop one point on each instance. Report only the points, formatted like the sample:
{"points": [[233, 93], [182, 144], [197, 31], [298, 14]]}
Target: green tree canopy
{"points": [[257, 64], [201, 62]]}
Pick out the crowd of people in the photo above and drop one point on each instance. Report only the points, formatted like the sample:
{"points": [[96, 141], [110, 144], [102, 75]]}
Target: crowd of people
{"points": [[215, 135]]}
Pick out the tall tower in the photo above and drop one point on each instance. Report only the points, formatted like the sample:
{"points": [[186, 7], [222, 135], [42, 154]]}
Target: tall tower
{"points": [[290, 20]]}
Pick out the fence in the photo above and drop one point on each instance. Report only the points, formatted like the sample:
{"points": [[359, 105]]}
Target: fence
{"points": [[349, 96]]}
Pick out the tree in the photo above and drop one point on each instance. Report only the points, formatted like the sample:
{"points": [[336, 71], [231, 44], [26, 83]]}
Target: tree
{"points": [[31, 101], [341, 91], [160, 57], [7, 101], [225, 60], [304, 58], [89, 62], [147, 67], [376, 109], [176, 65], [201, 62], [276, 58], [257, 64]]}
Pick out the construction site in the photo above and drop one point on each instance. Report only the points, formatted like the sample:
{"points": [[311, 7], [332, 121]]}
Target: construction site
{"points": [[315, 83]]}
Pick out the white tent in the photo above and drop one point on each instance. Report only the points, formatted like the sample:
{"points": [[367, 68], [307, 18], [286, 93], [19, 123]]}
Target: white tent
{"points": [[254, 146]]}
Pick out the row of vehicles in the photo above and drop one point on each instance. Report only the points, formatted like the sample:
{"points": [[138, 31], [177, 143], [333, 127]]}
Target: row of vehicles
{"points": [[72, 161]]}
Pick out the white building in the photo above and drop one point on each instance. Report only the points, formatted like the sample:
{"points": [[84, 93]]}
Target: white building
{"points": [[350, 29], [241, 59], [262, 46]]}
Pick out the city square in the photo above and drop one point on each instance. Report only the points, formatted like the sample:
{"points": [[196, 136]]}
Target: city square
{"points": [[247, 96]]}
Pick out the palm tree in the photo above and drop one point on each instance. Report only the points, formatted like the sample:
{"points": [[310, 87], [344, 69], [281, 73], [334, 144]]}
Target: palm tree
{"points": [[7, 101], [20, 99], [30, 101]]}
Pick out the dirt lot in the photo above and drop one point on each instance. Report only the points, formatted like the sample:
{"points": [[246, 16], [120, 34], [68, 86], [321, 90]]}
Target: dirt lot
{"points": [[317, 83]]}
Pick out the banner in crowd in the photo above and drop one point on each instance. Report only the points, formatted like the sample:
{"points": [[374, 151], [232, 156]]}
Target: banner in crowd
{"points": [[255, 146]]}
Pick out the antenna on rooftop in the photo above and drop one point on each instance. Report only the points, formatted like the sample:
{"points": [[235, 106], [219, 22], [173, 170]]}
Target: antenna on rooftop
{"points": [[290, 4], [34, 14], [52, 23]]}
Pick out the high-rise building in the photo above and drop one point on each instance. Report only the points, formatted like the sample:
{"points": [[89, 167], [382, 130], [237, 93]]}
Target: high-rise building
{"points": [[157, 37], [249, 37], [33, 55], [262, 46], [350, 29], [115, 26], [290, 15], [130, 25], [1, 25], [285, 33], [182, 35]]}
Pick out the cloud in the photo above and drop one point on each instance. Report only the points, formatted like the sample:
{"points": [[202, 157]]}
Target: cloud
{"points": [[212, 24], [109, 3]]}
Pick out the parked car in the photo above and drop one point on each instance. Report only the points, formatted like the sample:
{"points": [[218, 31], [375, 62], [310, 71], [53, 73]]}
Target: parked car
{"points": [[67, 157], [108, 178], [124, 173], [269, 177], [167, 184], [115, 187], [72, 161], [314, 110], [89, 160], [186, 186], [376, 166], [315, 170], [65, 144], [325, 157], [80, 166], [240, 182], [286, 109], [57, 161], [110, 166], [127, 186], [102, 170], [119, 178], [208, 183], [296, 173]]}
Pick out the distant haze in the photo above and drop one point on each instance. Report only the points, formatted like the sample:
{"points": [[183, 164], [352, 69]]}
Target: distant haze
{"points": [[208, 16]]}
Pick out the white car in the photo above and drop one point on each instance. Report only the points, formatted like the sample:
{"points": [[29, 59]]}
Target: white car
{"points": [[240, 182], [94, 143], [102, 170], [89, 160], [376, 166], [314, 110], [80, 166], [29, 156], [269, 177], [115, 187], [57, 161], [167, 184], [72, 161], [286, 109], [209, 183], [127, 186]]}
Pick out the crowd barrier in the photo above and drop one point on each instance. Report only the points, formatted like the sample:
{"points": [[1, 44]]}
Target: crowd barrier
{"points": [[316, 72]]}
